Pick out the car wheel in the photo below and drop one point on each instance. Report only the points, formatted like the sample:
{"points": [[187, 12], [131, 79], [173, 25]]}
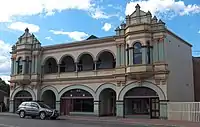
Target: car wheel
{"points": [[22, 114], [42, 115]]}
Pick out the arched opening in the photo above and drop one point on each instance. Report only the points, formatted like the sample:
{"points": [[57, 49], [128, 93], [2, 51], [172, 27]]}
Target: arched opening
{"points": [[67, 64], [107, 100], [20, 97], [106, 60], [49, 98], [141, 102], [19, 65], [86, 63], [76, 100], [137, 53], [50, 66]]}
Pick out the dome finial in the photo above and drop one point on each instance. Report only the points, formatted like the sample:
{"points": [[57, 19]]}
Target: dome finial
{"points": [[27, 30], [137, 6]]}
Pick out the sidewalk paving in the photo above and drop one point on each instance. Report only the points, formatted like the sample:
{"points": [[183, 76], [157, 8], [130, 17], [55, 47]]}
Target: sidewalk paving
{"points": [[152, 122]]}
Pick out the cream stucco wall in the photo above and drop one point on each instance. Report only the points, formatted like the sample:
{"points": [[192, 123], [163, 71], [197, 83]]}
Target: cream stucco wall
{"points": [[180, 85]]}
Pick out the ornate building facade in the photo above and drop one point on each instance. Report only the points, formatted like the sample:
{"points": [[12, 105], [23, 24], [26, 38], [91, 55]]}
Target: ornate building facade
{"points": [[129, 74]]}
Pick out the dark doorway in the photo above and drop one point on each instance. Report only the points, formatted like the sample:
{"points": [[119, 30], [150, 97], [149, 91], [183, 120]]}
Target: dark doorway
{"points": [[76, 100], [107, 99], [141, 102], [49, 98]]}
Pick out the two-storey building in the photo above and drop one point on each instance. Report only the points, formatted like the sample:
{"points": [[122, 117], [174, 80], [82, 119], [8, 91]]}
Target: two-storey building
{"points": [[129, 74]]}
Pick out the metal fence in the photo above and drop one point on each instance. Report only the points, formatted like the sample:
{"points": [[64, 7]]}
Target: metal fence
{"points": [[189, 111]]}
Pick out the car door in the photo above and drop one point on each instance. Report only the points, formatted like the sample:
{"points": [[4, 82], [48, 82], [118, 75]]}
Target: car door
{"points": [[28, 108], [35, 108]]}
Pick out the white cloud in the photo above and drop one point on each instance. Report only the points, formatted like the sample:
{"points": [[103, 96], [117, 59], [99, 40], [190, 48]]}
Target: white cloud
{"points": [[21, 26], [5, 63], [166, 7], [107, 26], [75, 35], [12, 8], [199, 31], [49, 38], [98, 13]]}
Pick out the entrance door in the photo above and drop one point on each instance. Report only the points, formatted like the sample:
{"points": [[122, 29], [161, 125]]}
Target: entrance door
{"points": [[66, 106], [154, 108]]}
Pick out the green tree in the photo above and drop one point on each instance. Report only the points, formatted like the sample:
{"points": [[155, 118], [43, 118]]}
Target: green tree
{"points": [[4, 86]]}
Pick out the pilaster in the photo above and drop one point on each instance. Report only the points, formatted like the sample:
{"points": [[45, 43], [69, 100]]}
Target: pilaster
{"points": [[122, 47], [11, 106], [36, 64], [96, 108], [163, 109], [155, 51], [58, 106], [12, 66], [24, 66], [16, 67], [161, 50], [120, 108], [118, 59], [131, 56], [144, 55], [33, 64]]}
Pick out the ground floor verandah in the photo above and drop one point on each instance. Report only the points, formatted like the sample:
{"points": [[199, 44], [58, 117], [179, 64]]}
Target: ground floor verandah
{"points": [[131, 101]]}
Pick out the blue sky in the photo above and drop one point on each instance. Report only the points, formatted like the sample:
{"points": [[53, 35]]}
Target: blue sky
{"points": [[64, 21]]}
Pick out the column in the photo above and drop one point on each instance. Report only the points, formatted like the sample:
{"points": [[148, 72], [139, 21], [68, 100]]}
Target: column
{"points": [[161, 50], [36, 64], [118, 56], [29, 69], [95, 65], [24, 66], [151, 55], [33, 64], [16, 67], [120, 108], [155, 51], [58, 106], [131, 56], [12, 66], [127, 55], [122, 55], [76, 66], [58, 68], [96, 108], [11, 106], [144, 55]]}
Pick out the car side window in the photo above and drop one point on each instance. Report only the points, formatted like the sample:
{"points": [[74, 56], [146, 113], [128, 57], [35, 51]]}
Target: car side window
{"points": [[34, 105], [27, 104]]}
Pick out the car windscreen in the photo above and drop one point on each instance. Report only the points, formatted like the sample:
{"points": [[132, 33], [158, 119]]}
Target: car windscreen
{"points": [[44, 106]]}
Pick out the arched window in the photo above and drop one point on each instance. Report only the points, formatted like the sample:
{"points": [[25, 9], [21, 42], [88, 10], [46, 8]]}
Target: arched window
{"points": [[50, 66], [137, 53], [19, 66]]}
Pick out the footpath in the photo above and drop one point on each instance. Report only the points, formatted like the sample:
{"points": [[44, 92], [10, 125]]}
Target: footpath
{"points": [[152, 122]]}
